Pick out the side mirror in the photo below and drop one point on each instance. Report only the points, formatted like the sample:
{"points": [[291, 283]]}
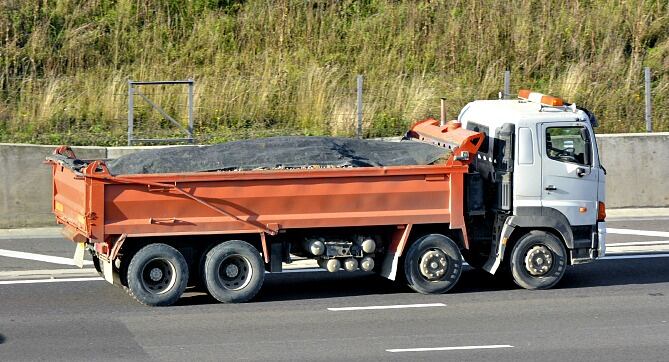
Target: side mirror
{"points": [[587, 151]]}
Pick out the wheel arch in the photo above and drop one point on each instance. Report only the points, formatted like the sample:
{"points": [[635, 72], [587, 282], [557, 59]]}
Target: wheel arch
{"points": [[527, 219], [420, 230], [544, 218]]}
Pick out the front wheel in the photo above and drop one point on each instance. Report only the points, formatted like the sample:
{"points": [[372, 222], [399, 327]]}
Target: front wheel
{"points": [[233, 271], [433, 264], [538, 260]]}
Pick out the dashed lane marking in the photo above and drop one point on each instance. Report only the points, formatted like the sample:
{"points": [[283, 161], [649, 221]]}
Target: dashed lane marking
{"points": [[455, 348], [398, 306]]}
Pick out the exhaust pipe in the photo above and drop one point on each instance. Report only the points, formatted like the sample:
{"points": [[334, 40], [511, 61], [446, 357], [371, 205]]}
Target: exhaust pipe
{"points": [[443, 112]]}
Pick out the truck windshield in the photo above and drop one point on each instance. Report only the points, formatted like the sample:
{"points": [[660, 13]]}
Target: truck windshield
{"points": [[566, 144]]}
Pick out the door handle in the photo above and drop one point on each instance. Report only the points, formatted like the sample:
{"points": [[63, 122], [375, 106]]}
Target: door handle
{"points": [[580, 172], [551, 188]]}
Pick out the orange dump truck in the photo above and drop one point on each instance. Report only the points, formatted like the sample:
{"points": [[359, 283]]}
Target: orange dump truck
{"points": [[155, 234]]}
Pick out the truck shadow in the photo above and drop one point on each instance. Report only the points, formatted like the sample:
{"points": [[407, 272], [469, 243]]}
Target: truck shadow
{"points": [[2, 339], [617, 273], [323, 285]]}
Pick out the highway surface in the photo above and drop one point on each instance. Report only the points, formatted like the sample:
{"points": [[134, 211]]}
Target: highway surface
{"points": [[616, 309]]}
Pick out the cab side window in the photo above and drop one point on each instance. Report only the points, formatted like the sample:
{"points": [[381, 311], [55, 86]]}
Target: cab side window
{"points": [[568, 144]]}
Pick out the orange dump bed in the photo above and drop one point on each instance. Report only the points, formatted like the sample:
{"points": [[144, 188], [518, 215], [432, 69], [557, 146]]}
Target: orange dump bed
{"points": [[95, 205]]}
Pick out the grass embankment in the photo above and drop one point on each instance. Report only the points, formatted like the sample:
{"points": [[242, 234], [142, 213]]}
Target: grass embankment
{"points": [[264, 67]]}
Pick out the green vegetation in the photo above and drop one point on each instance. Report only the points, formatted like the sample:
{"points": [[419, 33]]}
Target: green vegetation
{"points": [[288, 67]]}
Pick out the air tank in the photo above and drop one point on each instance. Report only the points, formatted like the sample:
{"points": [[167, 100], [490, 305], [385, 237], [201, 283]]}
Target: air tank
{"points": [[314, 246], [351, 264], [331, 265], [368, 245], [367, 263]]}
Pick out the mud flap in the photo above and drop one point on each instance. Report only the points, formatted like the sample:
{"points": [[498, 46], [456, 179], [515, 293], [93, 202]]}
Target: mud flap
{"points": [[107, 270], [389, 266], [498, 247], [79, 255]]}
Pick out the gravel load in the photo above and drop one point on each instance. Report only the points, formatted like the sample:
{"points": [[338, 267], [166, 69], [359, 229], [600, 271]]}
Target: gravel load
{"points": [[291, 152]]}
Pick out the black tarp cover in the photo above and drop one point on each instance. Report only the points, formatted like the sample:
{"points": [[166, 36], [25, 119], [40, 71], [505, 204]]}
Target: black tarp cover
{"points": [[278, 153]]}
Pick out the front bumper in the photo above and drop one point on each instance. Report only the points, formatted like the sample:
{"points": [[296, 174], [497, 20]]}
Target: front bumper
{"points": [[596, 250], [601, 239]]}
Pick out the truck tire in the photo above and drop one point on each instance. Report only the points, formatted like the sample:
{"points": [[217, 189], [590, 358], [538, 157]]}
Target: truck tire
{"points": [[96, 262], [538, 260], [157, 275], [433, 264], [233, 271]]}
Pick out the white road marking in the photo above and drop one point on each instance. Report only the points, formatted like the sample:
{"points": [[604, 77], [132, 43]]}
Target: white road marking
{"points": [[48, 273], [638, 243], [399, 306], [39, 281], [40, 257], [638, 256], [304, 270], [456, 348], [660, 234]]}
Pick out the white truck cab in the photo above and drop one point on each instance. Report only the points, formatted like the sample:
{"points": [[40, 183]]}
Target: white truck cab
{"points": [[542, 178]]}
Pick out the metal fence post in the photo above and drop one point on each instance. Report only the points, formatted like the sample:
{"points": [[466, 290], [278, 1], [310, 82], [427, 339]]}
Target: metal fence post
{"points": [[131, 109], [507, 84], [359, 106], [191, 85], [649, 120]]}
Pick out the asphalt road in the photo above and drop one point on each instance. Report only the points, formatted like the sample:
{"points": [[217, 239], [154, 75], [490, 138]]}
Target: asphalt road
{"points": [[613, 310]]}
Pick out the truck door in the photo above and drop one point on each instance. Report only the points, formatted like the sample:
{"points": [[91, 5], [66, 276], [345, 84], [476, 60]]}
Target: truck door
{"points": [[569, 175]]}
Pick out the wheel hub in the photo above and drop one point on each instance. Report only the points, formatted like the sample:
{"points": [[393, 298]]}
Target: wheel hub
{"points": [[434, 264], [231, 270], [235, 272], [538, 260], [156, 274]]}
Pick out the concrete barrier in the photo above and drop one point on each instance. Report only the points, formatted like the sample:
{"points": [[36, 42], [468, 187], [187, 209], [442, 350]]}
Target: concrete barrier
{"points": [[637, 165], [25, 183]]}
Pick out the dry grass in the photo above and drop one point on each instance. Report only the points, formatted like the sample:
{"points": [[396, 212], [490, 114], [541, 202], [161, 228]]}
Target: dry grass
{"points": [[288, 67]]}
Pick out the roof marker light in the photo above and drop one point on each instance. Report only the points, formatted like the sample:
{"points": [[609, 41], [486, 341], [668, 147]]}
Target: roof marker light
{"points": [[540, 98]]}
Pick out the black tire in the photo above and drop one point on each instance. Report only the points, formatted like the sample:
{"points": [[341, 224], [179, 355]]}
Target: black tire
{"points": [[233, 272], [96, 262], [538, 260], [157, 275], [433, 264]]}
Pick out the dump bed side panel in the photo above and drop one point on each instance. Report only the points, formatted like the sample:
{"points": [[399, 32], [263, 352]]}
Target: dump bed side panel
{"points": [[284, 200], [69, 202]]}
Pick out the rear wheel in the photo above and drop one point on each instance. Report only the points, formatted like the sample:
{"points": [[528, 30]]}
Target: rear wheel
{"points": [[433, 264], [233, 271], [157, 275], [96, 262], [538, 260]]}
